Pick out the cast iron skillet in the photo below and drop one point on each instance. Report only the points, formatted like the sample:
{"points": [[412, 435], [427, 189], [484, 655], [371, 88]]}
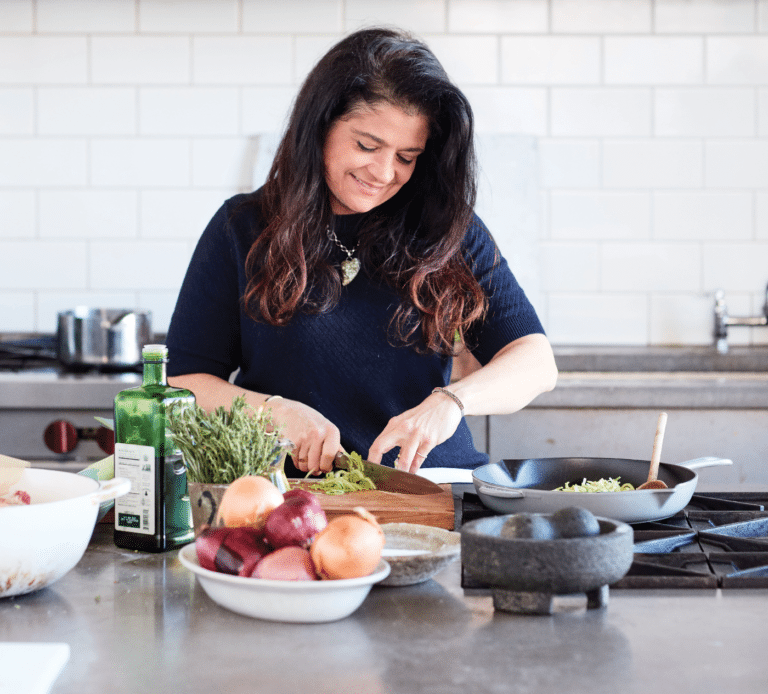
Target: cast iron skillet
{"points": [[514, 486]]}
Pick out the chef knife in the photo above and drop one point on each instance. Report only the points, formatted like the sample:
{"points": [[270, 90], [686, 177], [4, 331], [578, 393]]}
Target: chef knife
{"points": [[389, 479]]}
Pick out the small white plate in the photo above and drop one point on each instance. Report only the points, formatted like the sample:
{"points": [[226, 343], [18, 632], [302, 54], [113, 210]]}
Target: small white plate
{"points": [[31, 668], [417, 552], [284, 601]]}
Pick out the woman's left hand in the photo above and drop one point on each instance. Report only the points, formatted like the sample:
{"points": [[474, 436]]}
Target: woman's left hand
{"points": [[417, 431], [515, 375]]}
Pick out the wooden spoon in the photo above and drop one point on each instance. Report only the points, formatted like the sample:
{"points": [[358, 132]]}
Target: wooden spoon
{"points": [[652, 482]]}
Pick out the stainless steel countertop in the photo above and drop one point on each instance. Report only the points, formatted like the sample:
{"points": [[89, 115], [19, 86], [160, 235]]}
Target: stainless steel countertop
{"points": [[139, 622], [617, 377], [695, 377], [701, 358], [718, 390], [651, 389], [49, 388]]}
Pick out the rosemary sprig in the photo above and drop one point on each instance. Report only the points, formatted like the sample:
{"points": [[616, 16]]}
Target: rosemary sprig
{"points": [[220, 446]]}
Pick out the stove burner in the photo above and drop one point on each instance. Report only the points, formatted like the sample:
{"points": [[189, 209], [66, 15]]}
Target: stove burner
{"points": [[720, 540], [41, 353], [21, 355]]}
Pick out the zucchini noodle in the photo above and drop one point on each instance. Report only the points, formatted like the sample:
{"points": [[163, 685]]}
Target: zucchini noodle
{"points": [[343, 481], [611, 484]]}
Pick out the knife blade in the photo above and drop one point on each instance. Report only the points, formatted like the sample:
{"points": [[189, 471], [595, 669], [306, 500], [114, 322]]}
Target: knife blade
{"points": [[389, 479]]}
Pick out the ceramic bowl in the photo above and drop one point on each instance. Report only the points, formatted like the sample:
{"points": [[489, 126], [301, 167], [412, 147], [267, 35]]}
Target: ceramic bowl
{"points": [[101, 471], [417, 552], [45, 539], [283, 601], [205, 500]]}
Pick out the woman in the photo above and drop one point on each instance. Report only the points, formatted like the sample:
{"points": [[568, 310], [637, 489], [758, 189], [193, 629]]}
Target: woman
{"points": [[339, 287]]}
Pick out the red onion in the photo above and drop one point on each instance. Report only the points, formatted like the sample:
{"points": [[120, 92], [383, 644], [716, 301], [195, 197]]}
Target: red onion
{"points": [[286, 564], [230, 550], [296, 521]]}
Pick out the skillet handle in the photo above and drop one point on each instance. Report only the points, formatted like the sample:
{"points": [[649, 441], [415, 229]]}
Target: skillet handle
{"points": [[708, 461], [500, 493]]}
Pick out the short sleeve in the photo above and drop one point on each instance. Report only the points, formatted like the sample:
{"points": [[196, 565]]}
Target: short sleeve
{"points": [[510, 314], [204, 333]]}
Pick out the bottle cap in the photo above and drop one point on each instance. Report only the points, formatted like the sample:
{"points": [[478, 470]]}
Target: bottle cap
{"points": [[156, 353]]}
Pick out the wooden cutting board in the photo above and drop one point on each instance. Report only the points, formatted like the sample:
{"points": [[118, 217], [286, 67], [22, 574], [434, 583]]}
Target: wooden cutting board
{"points": [[436, 510]]}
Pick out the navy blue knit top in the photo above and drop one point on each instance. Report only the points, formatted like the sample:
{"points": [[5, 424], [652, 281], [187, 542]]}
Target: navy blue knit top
{"points": [[343, 362]]}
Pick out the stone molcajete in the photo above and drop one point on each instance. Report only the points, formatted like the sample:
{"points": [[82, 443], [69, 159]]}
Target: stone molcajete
{"points": [[529, 559]]}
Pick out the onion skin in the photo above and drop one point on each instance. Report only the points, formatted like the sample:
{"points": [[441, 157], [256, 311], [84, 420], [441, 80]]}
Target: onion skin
{"points": [[296, 521], [350, 546], [230, 550], [286, 564], [248, 501]]}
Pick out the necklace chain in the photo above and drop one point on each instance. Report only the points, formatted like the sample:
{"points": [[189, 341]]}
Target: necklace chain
{"points": [[335, 239]]}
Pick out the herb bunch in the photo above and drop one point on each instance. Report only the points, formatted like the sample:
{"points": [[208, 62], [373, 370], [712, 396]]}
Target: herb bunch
{"points": [[343, 481], [223, 445]]}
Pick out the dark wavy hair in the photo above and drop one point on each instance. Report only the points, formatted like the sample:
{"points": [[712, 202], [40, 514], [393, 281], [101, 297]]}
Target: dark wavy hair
{"points": [[412, 242]]}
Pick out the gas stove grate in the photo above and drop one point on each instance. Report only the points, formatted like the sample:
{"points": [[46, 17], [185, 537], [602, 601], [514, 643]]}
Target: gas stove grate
{"points": [[22, 355], [720, 540]]}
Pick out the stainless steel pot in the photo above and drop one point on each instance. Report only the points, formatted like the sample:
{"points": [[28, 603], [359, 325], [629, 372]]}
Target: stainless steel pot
{"points": [[102, 337], [42, 541], [514, 486]]}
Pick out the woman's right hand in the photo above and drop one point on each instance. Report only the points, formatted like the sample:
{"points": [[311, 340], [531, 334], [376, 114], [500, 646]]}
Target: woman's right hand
{"points": [[316, 440]]}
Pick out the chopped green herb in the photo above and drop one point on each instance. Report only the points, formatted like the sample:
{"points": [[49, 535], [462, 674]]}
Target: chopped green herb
{"points": [[611, 484], [343, 481]]}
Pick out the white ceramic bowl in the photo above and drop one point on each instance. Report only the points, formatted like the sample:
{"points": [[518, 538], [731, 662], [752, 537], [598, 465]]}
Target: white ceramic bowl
{"points": [[42, 541], [283, 601], [417, 552]]}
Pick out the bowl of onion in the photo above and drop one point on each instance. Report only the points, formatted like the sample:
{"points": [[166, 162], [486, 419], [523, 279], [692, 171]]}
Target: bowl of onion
{"points": [[275, 556], [284, 600]]}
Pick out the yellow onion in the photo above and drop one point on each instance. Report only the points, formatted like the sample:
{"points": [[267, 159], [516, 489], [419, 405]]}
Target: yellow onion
{"points": [[349, 546], [248, 501]]}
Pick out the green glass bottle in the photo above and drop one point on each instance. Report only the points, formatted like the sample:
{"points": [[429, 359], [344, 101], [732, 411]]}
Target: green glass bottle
{"points": [[156, 514]]}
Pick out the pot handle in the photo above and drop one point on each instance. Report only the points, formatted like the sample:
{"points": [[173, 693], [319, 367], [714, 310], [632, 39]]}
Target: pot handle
{"points": [[500, 493], [707, 461], [118, 319], [111, 489]]}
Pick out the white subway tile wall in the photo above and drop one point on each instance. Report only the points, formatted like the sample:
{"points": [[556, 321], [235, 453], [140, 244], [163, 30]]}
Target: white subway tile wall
{"points": [[125, 123]]}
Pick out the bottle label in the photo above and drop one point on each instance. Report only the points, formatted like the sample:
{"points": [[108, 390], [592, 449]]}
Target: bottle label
{"points": [[135, 511]]}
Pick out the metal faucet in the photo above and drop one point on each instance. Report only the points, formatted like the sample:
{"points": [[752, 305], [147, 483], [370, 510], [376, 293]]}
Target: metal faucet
{"points": [[723, 320]]}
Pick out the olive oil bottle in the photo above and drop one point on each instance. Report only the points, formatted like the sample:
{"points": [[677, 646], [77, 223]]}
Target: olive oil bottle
{"points": [[155, 515]]}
